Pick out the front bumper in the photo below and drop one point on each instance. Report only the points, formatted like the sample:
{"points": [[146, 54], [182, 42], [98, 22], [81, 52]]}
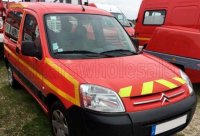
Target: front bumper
{"points": [[90, 123]]}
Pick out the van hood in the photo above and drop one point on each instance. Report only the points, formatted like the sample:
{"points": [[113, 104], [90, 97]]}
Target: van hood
{"points": [[121, 72]]}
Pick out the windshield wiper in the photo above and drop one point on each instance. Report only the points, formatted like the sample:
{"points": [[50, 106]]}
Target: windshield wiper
{"points": [[119, 51], [76, 52], [83, 52]]}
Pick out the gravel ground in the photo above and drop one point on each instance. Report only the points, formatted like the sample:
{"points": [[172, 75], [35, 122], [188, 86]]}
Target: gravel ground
{"points": [[194, 128]]}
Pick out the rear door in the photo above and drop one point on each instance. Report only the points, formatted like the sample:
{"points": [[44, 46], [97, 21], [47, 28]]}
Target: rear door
{"points": [[12, 27]]}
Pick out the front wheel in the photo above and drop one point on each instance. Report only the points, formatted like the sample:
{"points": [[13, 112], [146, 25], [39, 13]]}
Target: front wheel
{"points": [[59, 123]]}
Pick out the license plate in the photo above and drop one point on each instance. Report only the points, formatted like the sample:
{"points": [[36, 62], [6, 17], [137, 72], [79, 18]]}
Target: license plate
{"points": [[166, 126]]}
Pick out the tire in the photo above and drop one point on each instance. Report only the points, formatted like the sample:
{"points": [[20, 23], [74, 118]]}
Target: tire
{"points": [[11, 79], [59, 120]]}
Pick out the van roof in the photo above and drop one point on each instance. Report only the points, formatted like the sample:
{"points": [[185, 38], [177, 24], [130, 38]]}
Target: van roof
{"points": [[45, 8], [165, 3], [109, 8]]}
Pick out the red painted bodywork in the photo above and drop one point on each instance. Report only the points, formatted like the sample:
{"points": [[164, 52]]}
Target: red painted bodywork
{"points": [[113, 73], [178, 41], [178, 13]]}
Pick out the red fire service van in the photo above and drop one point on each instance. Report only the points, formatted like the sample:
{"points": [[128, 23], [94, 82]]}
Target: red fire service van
{"points": [[85, 72], [180, 46], [154, 13]]}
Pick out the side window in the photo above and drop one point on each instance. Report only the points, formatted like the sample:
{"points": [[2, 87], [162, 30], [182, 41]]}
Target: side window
{"points": [[75, 2], [31, 33], [12, 25], [156, 17]]}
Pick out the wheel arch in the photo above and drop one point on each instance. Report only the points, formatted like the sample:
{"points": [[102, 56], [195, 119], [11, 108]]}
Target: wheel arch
{"points": [[51, 99], [6, 62]]}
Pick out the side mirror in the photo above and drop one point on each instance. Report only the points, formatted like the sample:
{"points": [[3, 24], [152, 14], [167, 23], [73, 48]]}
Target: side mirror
{"points": [[29, 49], [131, 24]]}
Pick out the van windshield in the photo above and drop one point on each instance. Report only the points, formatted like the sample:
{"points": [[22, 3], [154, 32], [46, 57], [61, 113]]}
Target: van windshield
{"points": [[87, 36], [122, 19]]}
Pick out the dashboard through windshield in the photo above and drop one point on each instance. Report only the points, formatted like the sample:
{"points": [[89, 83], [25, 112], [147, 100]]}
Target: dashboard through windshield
{"points": [[86, 36]]}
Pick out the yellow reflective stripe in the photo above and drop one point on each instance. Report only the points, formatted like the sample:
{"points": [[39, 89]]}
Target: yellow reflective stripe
{"points": [[17, 6], [166, 83], [125, 92], [23, 63], [147, 88], [60, 92], [143, 39], [66, 76], [179, 80], [47, 82]]}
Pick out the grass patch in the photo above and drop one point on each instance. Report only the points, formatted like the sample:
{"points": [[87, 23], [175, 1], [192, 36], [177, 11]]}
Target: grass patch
{"points": [[20, 115]]}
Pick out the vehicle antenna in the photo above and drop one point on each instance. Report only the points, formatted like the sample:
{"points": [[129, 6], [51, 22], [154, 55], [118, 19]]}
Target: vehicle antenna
{"points": [[83, 9]]}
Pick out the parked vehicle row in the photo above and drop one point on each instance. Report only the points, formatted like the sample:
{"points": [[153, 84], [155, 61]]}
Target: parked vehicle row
{"points": [[85, 72], [154, 13]]}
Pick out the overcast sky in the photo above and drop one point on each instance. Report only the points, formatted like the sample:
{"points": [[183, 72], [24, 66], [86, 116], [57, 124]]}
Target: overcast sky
{"points": [[128, 7]]}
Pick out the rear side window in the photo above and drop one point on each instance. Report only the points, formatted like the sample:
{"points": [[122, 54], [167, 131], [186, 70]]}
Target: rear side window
{"points": [[12, 25], [154, 17]]}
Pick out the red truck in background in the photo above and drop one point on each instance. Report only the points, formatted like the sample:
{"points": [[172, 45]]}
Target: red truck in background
{"points": [[154, 13], [180, 46]]}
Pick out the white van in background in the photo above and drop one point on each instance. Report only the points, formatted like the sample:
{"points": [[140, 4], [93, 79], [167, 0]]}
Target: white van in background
{"points": [[117, 13], [76, 2]]}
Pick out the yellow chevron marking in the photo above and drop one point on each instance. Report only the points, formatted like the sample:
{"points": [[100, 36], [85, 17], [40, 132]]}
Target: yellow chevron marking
{"points": [[125, 92], [179, 80], [166, 83], [147, 88]]}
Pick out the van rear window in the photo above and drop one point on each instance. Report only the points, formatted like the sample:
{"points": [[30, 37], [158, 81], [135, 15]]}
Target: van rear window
{"points": [[12, 25], [154, 17]]}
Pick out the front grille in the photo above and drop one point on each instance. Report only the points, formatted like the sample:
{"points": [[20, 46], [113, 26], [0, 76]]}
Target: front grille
{"points": [[158, 99], [162, 97]]}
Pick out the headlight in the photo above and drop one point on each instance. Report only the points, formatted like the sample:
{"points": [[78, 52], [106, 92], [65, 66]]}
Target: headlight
{"points": [[188, 82], [100, 99]]}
